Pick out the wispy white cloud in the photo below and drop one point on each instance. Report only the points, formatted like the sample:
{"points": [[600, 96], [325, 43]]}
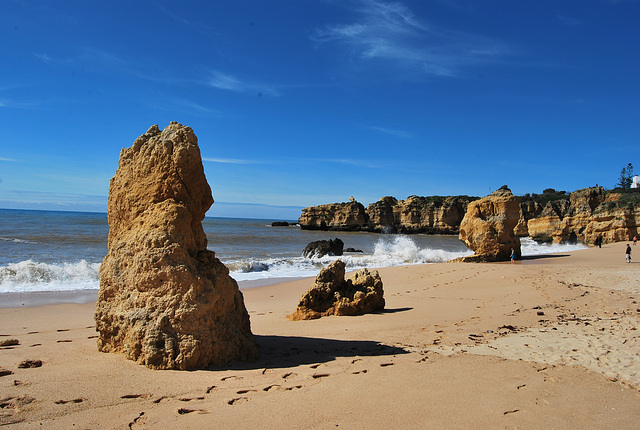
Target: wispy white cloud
{"points": [[568, 21], [230, 160], [180, 105], [393, 132], [7, 103], [228, 82], [389, 31], [11, 160], [356, 163]]}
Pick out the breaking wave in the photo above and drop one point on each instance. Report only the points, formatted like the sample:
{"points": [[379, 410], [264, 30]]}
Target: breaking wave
{"points": [[29, 276], [394, 250]]}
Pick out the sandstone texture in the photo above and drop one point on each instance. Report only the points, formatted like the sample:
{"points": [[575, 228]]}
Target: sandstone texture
{"points": [[581, 216], [488, 227], [584, 216], [435, 215], [336, 216], [331, 294], [165, 301]]}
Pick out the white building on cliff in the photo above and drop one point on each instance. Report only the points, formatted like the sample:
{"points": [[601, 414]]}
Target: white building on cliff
{"points": [[635, 182]]}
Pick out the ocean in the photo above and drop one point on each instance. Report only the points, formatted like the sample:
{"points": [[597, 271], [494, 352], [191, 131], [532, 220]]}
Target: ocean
{"points": [[47, 251]]}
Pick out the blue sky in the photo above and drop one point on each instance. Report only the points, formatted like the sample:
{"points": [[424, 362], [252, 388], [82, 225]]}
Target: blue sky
{"points": [[304, 102]]}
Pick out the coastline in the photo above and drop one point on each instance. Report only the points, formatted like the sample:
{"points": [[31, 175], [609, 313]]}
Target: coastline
{"points": [[548, 342]]}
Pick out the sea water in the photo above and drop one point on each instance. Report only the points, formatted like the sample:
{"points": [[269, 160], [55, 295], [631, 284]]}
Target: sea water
{"points": [[62, 251]]}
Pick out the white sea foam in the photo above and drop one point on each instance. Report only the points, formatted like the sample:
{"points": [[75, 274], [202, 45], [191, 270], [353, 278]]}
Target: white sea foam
{"points": [[529, 246], [392, 250], [28, 276], [389, 250], [14, 240]]}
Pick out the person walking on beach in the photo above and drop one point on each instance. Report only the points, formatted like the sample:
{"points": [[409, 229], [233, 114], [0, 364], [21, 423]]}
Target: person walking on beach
{"points": [[513, 256], [635, 239], [628, 253]]}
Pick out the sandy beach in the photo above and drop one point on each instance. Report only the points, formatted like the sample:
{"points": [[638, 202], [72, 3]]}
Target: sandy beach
{"points": [[548, 342]]}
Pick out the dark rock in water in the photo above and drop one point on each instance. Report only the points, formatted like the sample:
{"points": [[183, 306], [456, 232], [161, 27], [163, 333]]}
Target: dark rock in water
{"points": [[331, 294], [320, 248], [280, 224], [352, 250]]}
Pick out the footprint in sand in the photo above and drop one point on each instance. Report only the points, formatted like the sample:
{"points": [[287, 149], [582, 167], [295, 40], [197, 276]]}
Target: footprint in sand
{"points": [[9, 342], [188, 399], [238, 400], [320, 375], [5, 372], [270, 387], [138, 419], [230, 377], [64, 402], [60, 330], [183, 411], [135, 396], [289, 375], [64, 341], [30, 364], [210, 389]]}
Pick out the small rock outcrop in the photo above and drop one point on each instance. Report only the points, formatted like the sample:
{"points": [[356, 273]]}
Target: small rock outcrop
{"points": [[488, 227], [331, 294], [320, 248], [165, 301]]}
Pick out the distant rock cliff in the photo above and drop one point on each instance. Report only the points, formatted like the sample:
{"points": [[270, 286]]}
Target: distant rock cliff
{"points": [[435, 215], [555, 217], [336, 216], [585, 215]]}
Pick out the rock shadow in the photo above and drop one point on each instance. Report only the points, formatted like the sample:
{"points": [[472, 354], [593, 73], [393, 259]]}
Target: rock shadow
{"points": [[393, 311], [291, 351]]}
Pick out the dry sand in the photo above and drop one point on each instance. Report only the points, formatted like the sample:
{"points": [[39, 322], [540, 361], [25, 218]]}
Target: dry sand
{"points": [[545, 343]]}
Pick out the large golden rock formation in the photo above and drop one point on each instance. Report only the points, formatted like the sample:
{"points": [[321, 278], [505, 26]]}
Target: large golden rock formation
{"points": [[165, 301], [488, 227], [331, 294]]}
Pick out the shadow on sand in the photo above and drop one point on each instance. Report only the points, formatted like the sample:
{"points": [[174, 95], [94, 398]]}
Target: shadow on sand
{"points": [[393, 311], [291, 351], [543, 256]]}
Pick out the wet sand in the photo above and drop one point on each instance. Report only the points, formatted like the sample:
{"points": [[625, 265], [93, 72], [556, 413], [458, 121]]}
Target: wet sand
{"points": [[548, 342]]}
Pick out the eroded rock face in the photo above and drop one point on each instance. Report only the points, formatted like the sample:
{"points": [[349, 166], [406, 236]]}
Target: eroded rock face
{"points": [[331, 294], [488, 227], [335, 216], [165, 301], [435, 215], [587, 214]]}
